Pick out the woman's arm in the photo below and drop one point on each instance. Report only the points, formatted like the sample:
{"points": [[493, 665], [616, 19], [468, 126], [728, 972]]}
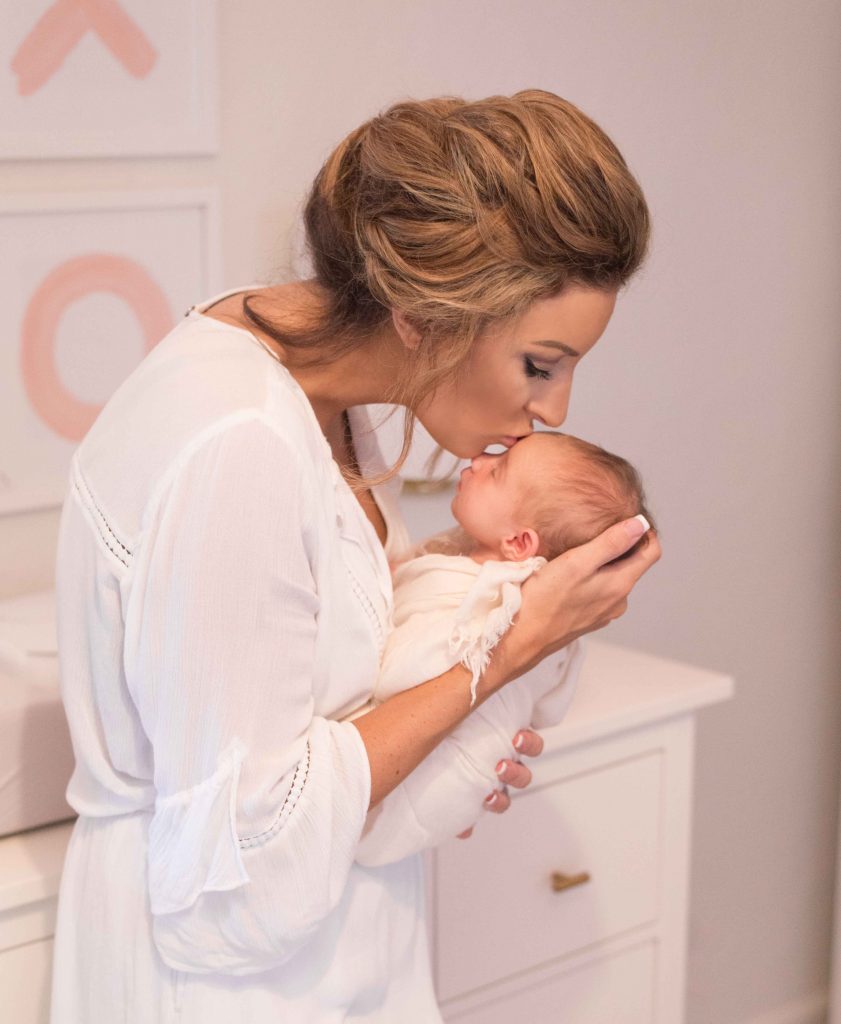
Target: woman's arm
{"points": [[444, 795], [259, 800], [573, 594]]}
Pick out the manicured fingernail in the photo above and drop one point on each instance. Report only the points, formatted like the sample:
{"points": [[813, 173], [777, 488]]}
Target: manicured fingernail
{"points": [[492, 799], [519, 741], [500, 768], [633, 526]]}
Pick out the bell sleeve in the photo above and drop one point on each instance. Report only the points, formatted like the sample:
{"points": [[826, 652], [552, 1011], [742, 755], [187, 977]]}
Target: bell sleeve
{"points": [[260, 801]]}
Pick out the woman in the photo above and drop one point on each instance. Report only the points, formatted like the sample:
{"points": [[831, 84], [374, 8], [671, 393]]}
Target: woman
{"points": [[223, 580]]}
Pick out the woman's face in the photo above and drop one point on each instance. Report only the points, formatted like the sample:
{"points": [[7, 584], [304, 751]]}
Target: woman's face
{"points": [[517, 372]]}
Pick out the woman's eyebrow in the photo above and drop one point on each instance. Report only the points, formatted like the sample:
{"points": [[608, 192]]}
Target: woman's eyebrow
{"points": [[559, 344]]}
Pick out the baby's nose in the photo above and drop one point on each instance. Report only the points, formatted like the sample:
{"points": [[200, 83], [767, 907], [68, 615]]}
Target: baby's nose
{"points": [[481, 461]]}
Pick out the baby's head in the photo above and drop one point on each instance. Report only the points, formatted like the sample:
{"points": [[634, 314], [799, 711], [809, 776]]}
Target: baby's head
{"points": [[547, 493]]}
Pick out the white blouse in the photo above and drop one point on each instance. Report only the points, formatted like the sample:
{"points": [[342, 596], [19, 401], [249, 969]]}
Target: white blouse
{"points": [[223, 601]]}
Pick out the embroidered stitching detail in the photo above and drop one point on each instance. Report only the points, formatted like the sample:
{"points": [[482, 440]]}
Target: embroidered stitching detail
{"points": [[89, 500], [367, 604], [298, 781], [102, 536]]}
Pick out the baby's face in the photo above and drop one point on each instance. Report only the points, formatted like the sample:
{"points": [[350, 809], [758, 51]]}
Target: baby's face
{"points": [[490, 490]]}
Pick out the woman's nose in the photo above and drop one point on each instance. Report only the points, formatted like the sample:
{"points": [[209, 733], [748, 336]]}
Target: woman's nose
{"points": [[551, 411]]}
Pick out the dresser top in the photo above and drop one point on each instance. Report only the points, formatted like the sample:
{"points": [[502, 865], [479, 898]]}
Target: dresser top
{"points": [[620, 688]]}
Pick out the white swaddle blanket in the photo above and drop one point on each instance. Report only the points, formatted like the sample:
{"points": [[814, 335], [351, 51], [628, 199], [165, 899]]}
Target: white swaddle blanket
{"points": [[450, 609]]}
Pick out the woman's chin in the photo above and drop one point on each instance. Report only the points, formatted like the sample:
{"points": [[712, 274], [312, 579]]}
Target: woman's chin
{"points": [[463, 451]]}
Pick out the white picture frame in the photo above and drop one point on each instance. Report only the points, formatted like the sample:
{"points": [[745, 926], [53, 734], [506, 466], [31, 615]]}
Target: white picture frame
{"points": [[123, 78], [91, 282]]}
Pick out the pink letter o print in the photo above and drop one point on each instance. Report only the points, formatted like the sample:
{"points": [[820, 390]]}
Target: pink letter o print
{"points": [[63, 413]]}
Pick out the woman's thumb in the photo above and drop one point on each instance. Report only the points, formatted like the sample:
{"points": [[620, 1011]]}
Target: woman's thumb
{"points": [[615, 541]]}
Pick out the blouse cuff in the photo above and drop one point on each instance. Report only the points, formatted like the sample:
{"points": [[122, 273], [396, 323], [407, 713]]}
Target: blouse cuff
{"points": [[193, 846]]}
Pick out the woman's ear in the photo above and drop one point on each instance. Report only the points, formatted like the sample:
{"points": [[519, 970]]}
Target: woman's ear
{"points": [[516, 547], [409, 334]]}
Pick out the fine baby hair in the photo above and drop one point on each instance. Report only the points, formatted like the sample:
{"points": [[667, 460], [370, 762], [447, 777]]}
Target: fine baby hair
{"points": [[580, 494]]}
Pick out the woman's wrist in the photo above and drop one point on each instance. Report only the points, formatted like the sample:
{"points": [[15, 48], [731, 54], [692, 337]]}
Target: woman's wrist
{"points": [[516, 653]]}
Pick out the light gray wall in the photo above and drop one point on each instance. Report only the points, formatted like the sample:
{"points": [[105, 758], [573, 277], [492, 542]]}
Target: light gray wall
{"points": [[718, 376]]}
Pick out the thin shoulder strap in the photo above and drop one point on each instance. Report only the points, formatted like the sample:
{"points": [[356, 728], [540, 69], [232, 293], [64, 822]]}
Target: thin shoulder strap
{"points": [[200, 307]]}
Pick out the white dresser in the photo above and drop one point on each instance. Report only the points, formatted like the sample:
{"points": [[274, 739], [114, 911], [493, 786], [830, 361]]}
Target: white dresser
{"points": [[570, 908]]}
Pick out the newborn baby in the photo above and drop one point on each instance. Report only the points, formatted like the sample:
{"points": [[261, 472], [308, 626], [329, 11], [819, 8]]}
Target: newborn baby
{"points": [[455, 597]]}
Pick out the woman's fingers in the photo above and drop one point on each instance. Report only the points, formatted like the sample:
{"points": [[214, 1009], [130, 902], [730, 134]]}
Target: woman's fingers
{"points": [[466, 834], [528, 743], [638, 563], [610, 544], [512, 773], [498, 801]]}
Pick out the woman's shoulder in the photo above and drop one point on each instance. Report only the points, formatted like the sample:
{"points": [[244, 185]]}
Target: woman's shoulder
{"points": [[203, 370], [198, 383]]}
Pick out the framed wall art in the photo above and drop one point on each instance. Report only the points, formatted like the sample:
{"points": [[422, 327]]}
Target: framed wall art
{"points": [[107, 78], [90, 284]]}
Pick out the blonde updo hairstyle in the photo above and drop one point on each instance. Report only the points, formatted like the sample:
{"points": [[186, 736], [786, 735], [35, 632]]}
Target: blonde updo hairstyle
{"points": [[460, 214]]}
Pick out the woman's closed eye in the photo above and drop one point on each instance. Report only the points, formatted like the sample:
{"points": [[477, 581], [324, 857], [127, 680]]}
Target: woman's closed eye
{"points": [[535, 371]]}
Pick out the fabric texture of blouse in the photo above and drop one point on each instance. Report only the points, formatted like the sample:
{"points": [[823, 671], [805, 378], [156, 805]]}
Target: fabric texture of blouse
{"points": [[449, 609], [223, 602]]}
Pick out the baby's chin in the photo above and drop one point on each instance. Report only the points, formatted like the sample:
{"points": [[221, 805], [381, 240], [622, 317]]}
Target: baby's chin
{"points": [[489, 548]]}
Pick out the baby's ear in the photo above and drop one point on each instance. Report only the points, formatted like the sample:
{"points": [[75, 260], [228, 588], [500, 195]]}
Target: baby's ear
{"points": [[516, 547]]}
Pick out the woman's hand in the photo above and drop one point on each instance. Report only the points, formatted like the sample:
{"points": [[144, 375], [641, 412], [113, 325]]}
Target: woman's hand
{"points": [[576, 593], [511, 773]]}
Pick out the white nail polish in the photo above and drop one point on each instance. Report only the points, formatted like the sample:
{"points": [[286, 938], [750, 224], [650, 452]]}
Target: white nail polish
{"points": [[646, 526]]}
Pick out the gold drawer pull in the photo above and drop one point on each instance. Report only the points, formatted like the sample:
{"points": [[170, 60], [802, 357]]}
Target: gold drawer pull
{"points": [[560, 881]]}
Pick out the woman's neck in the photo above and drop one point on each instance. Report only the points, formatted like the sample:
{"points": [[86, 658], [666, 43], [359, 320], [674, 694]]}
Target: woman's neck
{"points": [[360, 377]]}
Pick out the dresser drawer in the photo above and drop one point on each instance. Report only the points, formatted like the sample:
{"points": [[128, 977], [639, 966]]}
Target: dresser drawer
{"points": [[617, 989], [496, 909], [25, 979]]}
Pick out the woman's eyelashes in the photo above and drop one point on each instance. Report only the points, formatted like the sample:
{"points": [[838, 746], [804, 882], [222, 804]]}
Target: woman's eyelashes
{"points": [[535, 371]]}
